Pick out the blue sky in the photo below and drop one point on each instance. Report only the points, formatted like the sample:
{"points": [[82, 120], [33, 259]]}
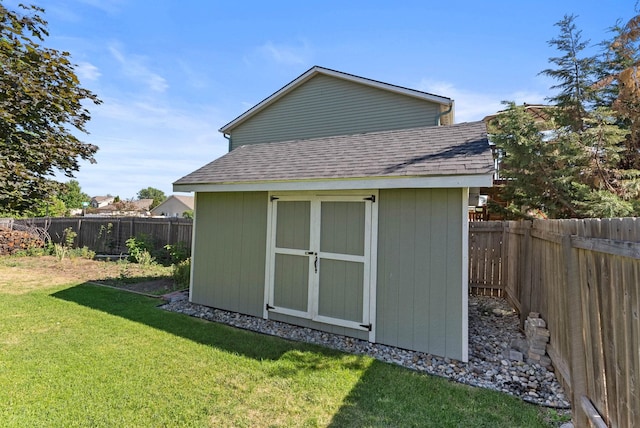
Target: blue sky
{"points": [[171, 73]]}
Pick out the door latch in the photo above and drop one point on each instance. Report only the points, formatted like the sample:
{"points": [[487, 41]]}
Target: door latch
{"points": [[315, 262]]}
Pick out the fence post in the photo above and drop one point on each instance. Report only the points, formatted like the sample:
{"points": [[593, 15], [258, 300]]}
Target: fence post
{"points": [[504, 258], [527, 271], [80, 243], [577, 365]]}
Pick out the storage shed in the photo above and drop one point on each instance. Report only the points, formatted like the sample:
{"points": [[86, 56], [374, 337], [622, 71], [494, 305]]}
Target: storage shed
{"points": [[342, 206]]}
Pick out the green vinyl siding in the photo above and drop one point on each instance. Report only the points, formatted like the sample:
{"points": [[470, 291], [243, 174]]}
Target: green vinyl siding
{"points": [[419, 279], [229, 251], [325, 106]]}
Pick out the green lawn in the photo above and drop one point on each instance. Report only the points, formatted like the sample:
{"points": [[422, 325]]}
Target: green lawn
{"points": [[84, 355]]}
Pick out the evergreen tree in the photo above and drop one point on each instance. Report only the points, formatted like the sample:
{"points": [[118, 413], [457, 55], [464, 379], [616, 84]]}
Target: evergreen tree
{"points": [[572, 164], [539, 174], [574, 73]]}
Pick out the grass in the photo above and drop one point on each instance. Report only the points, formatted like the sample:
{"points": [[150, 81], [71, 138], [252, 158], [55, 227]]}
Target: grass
{"points": [[80, 355]]}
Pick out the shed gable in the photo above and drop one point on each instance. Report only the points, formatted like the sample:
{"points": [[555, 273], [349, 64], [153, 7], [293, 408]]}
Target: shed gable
{"points": [[325, 106]]}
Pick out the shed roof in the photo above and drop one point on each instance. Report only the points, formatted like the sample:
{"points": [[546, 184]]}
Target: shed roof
{"points": [[458, 151], [314, 71]]}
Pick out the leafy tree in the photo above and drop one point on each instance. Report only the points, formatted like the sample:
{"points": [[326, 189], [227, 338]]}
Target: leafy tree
{"points": [[53, 207], [619, 81], [72, 195], [40, 104], [152, 193]]}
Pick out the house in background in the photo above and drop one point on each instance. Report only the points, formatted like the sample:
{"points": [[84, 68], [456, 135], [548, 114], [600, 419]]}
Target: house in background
{"points": [[342, 206], [137, 208], [101, 201], [174, 206]]}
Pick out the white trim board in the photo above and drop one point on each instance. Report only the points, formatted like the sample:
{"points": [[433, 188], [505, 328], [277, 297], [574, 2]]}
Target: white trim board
{"points": [[435, 182]]}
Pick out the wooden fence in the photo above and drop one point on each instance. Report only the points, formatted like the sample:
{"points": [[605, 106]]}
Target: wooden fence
{"points": [[108, 235], [583, 277]]}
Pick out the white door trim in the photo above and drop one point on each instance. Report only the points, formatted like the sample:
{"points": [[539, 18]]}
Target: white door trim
{"points": [[369, 259]]}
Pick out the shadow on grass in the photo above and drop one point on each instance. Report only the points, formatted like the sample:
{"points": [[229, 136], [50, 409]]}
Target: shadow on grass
{"points": [[390, 396], [142, 309]]}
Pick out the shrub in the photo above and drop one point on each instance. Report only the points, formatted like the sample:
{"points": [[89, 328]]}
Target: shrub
{"points": [[178, 252], [182, 273], [140, 249]]}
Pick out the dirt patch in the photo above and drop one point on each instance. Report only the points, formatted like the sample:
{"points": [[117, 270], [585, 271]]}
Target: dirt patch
{"points": [[20, 275], [156, 287]]}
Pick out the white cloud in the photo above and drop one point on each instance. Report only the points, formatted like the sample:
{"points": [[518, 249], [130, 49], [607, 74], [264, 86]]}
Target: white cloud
{"points": [[147, 142], [475, 105], [87, 71], [134, 67], [286, 54]]}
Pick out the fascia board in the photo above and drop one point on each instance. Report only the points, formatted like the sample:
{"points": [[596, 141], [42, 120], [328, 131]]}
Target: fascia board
{"points": [[444, 181]]}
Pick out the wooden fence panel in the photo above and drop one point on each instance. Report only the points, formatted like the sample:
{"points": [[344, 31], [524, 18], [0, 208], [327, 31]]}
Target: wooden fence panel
{"points": [[583, 277], [108, 235], [485, 258]]}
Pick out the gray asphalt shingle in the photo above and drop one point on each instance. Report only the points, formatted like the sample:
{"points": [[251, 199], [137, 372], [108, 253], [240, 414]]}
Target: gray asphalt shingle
{"points": [[461, 149]]}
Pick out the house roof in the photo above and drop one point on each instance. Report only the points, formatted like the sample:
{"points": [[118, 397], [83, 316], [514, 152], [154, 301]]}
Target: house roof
{"points": [[186, 200], [316, 70], [137, 205], [460, 153], [102, 198]]}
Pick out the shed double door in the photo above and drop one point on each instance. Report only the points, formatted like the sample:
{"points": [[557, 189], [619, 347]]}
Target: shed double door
{"points": [[320, 266]]}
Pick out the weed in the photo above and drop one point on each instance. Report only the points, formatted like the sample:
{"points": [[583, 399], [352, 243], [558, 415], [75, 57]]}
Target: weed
{"points": [[145, 258], [106, 233], [178, 252], [182, 273], [140, 249], [60, 251]]}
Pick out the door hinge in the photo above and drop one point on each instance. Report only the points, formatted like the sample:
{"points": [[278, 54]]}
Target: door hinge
{"points": [[371, 198], [269, 307], [367, 326], [273, 198]]}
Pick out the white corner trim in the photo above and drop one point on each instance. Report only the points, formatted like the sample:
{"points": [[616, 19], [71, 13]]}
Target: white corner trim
{"points": [[465, 275], [193, 249]]}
